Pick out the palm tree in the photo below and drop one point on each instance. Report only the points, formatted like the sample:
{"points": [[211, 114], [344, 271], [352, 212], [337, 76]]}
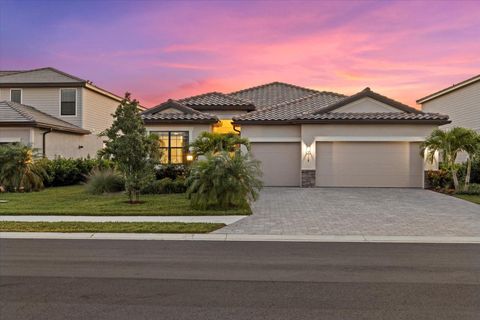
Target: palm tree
{"points": [[472, 148], [218, 142], [18, 170], [448, 143]]}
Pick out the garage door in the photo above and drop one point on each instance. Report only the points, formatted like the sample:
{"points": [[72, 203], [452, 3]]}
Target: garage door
{"points": [[280, 162], [369, 164]]}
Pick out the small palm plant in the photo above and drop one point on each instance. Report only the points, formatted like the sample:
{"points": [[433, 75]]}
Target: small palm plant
{"points": [[223, 180], [449, 144], [18, 169], [218, 142]]}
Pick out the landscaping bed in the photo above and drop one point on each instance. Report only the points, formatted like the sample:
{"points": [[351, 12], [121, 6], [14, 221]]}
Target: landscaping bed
{"points": [[74, 200], [113, 227]]}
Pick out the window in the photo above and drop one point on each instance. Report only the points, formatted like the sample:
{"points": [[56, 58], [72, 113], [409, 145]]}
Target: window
{"points": [[16, 95], [68, 102], [174, 146]]}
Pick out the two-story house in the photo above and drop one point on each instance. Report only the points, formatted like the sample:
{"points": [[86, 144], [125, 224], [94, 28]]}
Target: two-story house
{"points": [[55, 112]]}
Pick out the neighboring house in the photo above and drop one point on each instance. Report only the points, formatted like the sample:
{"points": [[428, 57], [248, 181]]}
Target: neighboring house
{"points": [[460, 101], [55, 112], [305, 137]]}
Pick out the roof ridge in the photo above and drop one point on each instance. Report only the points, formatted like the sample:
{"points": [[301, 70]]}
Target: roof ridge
{"points": [[273, 83], [54, 70], [223, 95]]}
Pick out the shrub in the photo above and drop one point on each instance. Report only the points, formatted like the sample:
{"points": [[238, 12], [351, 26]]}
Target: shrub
{"points": [[165, 185], [211, 142], [172, 171], [105, 181], [19, 168], [223, 181], [473, 189], [439, 179]]}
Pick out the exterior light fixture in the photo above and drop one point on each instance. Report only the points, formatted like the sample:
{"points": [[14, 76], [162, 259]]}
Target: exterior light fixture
{"points": [[189, 157], [308, 154]]}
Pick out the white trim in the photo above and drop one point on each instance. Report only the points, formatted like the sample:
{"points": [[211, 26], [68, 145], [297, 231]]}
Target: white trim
{"points": [[60, 103], [21, 94], [447, 90], [371, 138], [32, 137], [275, 139]]}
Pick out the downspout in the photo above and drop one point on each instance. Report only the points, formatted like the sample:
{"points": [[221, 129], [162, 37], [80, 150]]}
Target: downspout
{"points": [[44, 141]]}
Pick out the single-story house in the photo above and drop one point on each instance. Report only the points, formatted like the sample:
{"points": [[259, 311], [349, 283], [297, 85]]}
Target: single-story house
{"points": [[304, 137]]}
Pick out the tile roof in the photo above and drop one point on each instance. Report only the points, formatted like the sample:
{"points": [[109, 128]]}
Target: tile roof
{"points": [[373, 116], [290, 110], [217, 101], [272, 94], [181, 113], [16, 114]]}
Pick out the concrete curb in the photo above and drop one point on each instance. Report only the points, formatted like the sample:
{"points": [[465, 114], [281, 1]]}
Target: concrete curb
{"points": [[237, 237], [185, 219]]}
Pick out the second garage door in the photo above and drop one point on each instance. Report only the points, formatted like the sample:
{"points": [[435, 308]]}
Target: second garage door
{"points": [[280, 162], [369, 164]]}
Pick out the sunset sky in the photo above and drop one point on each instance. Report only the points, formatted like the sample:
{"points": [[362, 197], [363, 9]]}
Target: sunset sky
{"points": [[172, 49]]}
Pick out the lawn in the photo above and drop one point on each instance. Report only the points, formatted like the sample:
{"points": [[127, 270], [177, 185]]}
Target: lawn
{"points": [[469, 197], [74, 200], [117, 227]]}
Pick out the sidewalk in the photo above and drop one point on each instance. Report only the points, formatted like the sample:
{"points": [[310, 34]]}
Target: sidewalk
{"points": [[187, 219], [236, 237]]}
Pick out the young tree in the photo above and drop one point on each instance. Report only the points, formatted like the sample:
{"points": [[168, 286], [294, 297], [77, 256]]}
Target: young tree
{"points": [[134, 152]]}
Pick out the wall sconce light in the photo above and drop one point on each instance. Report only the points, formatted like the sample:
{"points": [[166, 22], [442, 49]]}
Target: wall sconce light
{"points": [[308, 154], [80, 147], [189, 157]]}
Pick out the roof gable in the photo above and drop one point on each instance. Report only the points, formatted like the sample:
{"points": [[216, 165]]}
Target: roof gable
{"points": [[366, 105], [172, 110], [367, 93]]}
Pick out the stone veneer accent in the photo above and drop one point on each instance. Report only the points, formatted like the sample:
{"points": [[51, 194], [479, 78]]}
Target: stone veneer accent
{"points": [[308, 178]]}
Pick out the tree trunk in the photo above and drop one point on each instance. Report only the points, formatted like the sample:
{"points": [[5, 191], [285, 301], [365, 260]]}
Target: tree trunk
{"points": [[467, 176], [455, 180]]}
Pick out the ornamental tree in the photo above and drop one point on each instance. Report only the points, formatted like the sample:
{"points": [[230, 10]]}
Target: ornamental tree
{"points": [[134, 152]]}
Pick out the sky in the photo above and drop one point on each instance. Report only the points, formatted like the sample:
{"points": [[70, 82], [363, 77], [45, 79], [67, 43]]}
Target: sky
{"points": [[173, 49]]}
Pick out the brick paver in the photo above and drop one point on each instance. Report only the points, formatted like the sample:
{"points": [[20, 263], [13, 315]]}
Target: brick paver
{"points": [[359, 211]]}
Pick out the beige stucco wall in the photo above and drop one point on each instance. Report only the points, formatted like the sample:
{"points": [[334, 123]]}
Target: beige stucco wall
{"points": [[366, 105], [225, 115], [48, 101], [22, 135], [270, 133], [61, 144], [462, 105]]}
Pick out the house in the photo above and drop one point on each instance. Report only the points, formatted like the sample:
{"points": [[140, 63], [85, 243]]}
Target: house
{"points": [[55, 112], [460, 101], [304, 137]]}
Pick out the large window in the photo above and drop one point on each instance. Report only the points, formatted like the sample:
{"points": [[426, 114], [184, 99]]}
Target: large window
{"points": [[16, 95], [174, 146], [68, 102]]}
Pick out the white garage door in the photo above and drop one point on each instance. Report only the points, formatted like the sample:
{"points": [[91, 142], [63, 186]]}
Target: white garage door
{"points": [[369, 164], [280, 162]]}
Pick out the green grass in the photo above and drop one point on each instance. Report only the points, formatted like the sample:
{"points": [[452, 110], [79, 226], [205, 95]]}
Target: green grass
{"points": [[469, 197], [118, 227], [74, 200]]}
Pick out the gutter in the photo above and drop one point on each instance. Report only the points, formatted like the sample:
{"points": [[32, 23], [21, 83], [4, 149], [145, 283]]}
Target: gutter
{"points": [[44, 141]]}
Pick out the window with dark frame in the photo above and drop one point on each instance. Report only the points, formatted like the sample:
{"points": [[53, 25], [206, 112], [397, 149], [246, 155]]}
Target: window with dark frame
{"points": [[16, 95], [174, 146], [68, 101]]}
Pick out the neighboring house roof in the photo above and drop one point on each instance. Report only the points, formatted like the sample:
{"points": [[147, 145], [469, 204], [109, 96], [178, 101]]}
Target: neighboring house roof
{"points": [[454, 87], [16, 114], [272, 94], [177, 112], [217, 101], [49, 77]]}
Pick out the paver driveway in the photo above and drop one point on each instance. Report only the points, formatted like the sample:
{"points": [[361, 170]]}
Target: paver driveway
{"points": [[359, 211]]}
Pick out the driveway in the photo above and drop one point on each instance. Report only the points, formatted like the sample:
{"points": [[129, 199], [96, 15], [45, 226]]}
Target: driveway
{"points": [[359, 211]]}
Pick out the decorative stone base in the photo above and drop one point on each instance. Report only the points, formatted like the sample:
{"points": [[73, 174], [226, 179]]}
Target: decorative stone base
{"points": [[308, 178]]}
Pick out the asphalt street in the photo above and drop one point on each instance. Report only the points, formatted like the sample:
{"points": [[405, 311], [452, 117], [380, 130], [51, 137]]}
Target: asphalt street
{"points": [[103, 279]]}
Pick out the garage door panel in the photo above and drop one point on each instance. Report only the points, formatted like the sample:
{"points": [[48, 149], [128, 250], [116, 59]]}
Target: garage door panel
{"points": [[280, 162], [369, 164]]}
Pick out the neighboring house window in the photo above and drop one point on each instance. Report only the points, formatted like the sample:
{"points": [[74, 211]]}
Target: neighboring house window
{"points": [[16, 95], [174, 146], [68, 102]]}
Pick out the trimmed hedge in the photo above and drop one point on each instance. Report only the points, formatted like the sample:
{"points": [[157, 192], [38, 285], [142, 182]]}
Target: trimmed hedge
{"points": [[165, 185]]}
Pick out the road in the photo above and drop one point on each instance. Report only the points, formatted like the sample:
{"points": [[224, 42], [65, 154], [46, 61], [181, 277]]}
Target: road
{"points": [[102, 279]]}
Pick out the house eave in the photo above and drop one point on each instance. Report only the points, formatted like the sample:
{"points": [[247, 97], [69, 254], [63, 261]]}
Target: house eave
{"points": [[317, 121], [34, 124], [167, 121], [449, 89]]}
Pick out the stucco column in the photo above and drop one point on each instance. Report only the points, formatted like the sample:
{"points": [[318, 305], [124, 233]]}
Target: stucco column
{"points": [[308, 157]]}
